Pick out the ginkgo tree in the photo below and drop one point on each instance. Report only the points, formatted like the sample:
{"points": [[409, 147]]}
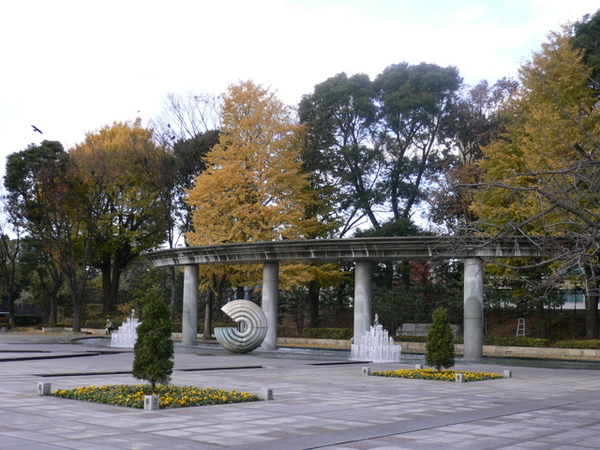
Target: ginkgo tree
{"points": [[542, 176], [253, 187]]}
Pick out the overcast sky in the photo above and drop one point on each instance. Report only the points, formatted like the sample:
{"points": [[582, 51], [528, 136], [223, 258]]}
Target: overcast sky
{"points": [[70, 67]]}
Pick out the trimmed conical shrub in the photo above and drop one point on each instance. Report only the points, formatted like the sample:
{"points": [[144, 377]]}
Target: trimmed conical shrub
{"points": [[153, 350], [440, 342]]}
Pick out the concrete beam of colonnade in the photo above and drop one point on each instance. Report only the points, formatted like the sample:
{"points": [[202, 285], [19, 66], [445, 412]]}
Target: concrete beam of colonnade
{"points": [[363, 251], [352, 249]]}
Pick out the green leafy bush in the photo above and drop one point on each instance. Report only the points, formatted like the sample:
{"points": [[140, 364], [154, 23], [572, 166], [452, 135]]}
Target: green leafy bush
{"points": [[153, 350], [28, 321], [328, 333], [285, 331], [512, 341], [532, 342], [440, 342], [591, 344], [402, 338]]}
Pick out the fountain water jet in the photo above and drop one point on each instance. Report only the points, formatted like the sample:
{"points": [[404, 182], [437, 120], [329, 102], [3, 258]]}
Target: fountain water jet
{"points": [[375, 345], [126, 335]]}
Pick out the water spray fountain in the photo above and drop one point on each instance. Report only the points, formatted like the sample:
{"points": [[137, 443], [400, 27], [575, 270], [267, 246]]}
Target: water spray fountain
{"points": [[376, 345], [126, 335]]}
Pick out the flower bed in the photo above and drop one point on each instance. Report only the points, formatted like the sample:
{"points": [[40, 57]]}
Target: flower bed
{"points": [[170, 396], [431, 374]]}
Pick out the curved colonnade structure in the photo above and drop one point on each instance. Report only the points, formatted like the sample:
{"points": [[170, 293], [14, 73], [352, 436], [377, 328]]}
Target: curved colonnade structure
{"points": [[364, 252]]}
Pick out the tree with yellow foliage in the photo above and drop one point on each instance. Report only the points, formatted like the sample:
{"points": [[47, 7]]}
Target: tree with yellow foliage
{"points": [[542, 175], [253, 188], [118, 165]]}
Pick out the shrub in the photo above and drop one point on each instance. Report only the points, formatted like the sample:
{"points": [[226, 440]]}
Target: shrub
{"points": [[285, 331], [592, 344], [153, 350], [28, 321], [513, 341], [531, 342], [328, 333], [402, 338], [440, 342]]}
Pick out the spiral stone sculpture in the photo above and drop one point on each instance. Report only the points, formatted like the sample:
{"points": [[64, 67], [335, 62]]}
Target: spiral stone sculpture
{"points": [[251, 329]]}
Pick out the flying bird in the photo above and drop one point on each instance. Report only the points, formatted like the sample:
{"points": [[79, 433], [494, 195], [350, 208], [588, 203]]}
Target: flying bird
{"points": [[36, 129]]}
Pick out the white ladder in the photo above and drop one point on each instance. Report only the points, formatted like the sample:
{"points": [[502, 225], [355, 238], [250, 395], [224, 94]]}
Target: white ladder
{"points": [[521, 327]]}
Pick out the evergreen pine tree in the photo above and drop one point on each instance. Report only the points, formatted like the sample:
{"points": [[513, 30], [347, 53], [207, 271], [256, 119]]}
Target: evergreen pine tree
{"points": [[153, 350], [440, 341]]}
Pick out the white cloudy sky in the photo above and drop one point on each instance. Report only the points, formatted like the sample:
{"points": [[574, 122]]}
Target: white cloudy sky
{"points": [[70, 67]]}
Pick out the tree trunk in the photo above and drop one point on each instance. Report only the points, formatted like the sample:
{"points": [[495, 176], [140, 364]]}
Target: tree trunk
{"points": [[52, 294], [541, 319], [53, 317], [239, 293], [77, 314], [11, 310], [591, 303], [106, 286], [173, 300], [591, 315], [115, 282], [405, 271], [111, 280], [208, 312], [313, 302]]}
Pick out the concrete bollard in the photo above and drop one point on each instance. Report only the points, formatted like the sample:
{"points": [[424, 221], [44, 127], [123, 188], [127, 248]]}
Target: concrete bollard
{"points": [[418, 366], [266, 394], [460, 377], [151, 402], [507, 374], [44, 388], [366, 371]]}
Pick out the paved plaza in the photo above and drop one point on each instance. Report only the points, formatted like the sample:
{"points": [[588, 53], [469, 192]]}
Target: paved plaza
{"points": [[320, 401]]}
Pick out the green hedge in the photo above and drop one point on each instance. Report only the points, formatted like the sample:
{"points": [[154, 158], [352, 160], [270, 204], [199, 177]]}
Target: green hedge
{"points": [[328, 333], [177, 326], [592, 344], [402, 338], [28, 321], [510, 341]]}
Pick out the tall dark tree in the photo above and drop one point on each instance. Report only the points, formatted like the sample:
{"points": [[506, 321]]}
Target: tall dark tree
{"points": [[475, 121], [33, 178], [10, 251], [415, 105], [587, 38], [378, 144], [341, 114]]}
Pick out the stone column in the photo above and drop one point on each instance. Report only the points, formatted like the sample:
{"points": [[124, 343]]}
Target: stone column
{"points": [[270, 302], [363, 297], [189, 320], [473, 305]]}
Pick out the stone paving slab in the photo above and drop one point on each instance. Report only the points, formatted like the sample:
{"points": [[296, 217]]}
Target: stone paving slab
{"points": [[315, 405]]}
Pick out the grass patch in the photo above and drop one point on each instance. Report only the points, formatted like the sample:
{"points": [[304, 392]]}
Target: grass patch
{"points": [[171, 396], [432, 374]]}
